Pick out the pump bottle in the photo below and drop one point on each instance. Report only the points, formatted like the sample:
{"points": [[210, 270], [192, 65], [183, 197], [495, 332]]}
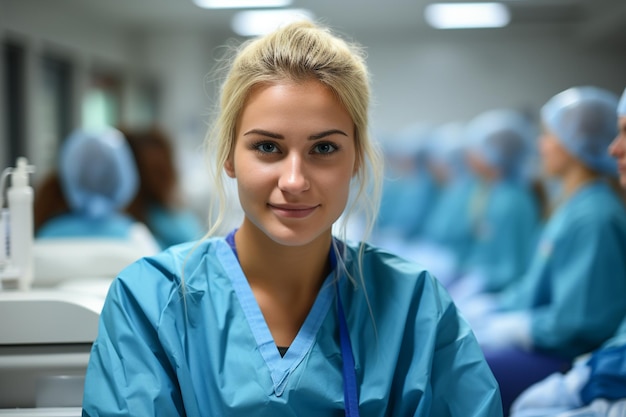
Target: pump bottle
{"points": [[21, 233]]}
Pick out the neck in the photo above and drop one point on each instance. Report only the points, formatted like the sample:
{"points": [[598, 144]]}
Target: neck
{"points": [[296, 271], [577, 177]]}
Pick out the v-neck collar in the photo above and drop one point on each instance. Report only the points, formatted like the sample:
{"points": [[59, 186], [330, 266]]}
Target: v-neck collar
{"points": [[280, 367]]}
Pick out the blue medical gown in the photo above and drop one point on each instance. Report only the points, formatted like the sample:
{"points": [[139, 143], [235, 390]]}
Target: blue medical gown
{"points": [[405, 204], [75, 225], [506, 226], [171, 227], [449, 222], [576, 282], [205, 350]]}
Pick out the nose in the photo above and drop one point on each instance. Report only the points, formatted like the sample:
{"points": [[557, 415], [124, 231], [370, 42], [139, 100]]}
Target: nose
{"points": [[293, 177], [617, 146]]}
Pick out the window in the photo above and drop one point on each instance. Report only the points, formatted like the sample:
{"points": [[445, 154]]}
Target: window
{"points": [[14, 99], [102, 103]]}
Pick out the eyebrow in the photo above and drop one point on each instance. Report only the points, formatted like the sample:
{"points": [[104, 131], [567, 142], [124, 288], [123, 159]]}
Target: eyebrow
{"points": [[316, 136]]}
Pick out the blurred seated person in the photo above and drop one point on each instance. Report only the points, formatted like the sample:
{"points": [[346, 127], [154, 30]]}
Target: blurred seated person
{"points": [[596, 384], [158, 202], [84, 198], [448, 231], [504, 209], [409, 189], [569, 300]]}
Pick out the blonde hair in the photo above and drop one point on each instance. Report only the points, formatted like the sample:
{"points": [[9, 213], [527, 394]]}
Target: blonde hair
{"points": [[299, 52]]}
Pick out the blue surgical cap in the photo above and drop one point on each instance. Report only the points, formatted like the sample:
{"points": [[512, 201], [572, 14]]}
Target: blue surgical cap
{"points": [[621, 108], [413, 141], [98, 172], [503, 138], [585, 121], [449, 146]]}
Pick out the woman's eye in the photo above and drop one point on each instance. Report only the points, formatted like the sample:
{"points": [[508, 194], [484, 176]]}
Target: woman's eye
{"points": [[325, 148], [267, 147]]}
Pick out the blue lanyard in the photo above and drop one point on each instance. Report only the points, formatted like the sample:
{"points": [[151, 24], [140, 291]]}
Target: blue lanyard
{"points": [[350, 392]]}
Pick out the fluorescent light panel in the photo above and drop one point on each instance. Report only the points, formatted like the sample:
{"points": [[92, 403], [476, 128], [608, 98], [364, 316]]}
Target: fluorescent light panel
{"points": [[260, 22], [467, 15], [240, 4]]}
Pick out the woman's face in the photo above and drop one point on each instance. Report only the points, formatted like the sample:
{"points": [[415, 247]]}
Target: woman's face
{"points": [[294, 158], [479, 165], [618, 149], [555, 159]]}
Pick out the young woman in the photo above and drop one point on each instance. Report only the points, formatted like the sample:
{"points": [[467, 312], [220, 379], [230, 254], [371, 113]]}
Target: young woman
{"points": [[280, 318], [596, 385], [562, 306], [504, 211]]}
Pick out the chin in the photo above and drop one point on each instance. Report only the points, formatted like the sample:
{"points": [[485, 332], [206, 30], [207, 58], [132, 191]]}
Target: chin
{"points": [[294, 237]]}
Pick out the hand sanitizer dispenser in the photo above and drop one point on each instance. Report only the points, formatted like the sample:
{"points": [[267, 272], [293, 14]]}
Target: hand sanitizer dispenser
{"points": [[18, 262]]}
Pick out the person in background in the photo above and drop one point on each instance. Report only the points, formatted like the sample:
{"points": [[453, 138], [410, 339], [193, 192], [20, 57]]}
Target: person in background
{"points": [[158, 202], [596, 384], [409, 189], [504, 211], [85, 196], [448, 231], [280, 317], [562, 307]]}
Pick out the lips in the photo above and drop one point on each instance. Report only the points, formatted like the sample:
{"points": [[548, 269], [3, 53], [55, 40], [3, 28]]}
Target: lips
{"points": [[292, 210]]}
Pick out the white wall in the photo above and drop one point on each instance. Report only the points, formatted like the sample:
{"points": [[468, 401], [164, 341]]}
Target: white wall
{"points": [[455, 79]]}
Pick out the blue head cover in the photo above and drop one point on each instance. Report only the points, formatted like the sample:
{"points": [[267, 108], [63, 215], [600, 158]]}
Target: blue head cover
{"points": [[412, 141], [621, 108], [504, 139], [449, 146], [98, 172], [584, 120]]}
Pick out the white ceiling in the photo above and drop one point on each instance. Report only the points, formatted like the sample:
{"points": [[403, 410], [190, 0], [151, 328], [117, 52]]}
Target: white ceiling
{"points": [[590, 21]]}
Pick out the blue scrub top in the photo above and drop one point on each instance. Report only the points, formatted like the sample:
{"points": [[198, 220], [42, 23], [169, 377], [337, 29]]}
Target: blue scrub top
{"points": [[506, 226], [449, 223], [75, 225], [171, 227], [204, 349], [576, 282], [406, 203]]}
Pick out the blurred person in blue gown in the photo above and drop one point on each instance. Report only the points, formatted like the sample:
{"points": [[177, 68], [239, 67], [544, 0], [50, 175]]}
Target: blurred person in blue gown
{"points": [[85, 196], [280, 317], [448, 231], [158, 202], [596, 384], [505, 212], [562, 306], [409, 188]]}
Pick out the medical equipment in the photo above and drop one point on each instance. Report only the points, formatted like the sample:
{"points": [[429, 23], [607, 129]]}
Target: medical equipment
{"points": [[16, 244], [45, 334], [45, 340]]}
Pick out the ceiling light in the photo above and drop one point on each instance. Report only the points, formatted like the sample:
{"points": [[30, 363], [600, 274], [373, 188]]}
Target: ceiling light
{"points": [[240, 4], [260, 22], [467, 15]]}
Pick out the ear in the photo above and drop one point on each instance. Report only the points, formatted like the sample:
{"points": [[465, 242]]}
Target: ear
{"points": [[357, 166], [229, 167]]}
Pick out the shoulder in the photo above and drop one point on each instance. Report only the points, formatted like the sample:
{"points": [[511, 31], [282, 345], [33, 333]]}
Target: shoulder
{"points": [[382, 260], [514, 194], [388, 276], [595, 207], [594, 215], [185, 264]]}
